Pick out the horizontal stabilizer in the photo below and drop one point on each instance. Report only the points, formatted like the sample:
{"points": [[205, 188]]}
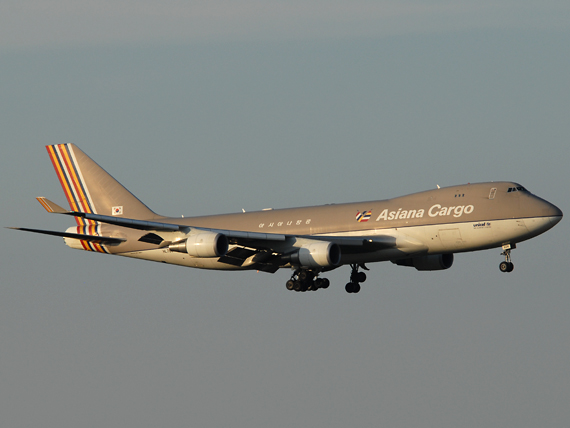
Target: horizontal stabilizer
{"points": [[92, 238], [51, 207]]}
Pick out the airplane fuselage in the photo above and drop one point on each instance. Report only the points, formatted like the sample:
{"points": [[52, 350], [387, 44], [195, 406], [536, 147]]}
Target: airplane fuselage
{"points": [[448, 220]]}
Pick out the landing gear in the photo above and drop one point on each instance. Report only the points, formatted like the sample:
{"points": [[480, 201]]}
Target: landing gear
{"points": [[356, 278], [305, 280], [507, 265], [352, 287]]}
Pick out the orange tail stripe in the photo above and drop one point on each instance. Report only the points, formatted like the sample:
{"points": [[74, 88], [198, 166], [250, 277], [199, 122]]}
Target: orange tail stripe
{"points": [[75, 181], [61, 177]]}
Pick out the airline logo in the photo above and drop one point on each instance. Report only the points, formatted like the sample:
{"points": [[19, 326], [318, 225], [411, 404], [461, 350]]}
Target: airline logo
{"points": [[435, 211], [363, 217]]}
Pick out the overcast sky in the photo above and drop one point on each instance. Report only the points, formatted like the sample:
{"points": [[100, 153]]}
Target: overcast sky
{"points": [[207, 107]]}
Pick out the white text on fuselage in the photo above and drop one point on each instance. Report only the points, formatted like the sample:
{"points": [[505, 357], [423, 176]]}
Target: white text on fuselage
{"points": [[285, 223], [435, 211], [400, 214]]}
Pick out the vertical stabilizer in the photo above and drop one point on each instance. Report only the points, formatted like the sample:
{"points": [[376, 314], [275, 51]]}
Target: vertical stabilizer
{"points": [[90, 189]]}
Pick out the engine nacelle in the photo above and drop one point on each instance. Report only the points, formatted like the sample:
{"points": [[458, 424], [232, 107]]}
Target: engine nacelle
{"points": [[430, 262], [318, 254], [205, 244]]}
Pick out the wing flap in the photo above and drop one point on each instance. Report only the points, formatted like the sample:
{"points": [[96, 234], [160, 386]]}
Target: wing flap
{"points": [[370, 242]]}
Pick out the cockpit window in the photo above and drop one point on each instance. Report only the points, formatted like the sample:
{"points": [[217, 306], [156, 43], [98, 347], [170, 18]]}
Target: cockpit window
{"points": [[517, 189]]}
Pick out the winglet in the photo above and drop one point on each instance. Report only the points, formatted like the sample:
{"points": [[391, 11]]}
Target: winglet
{"points": [[51, 207]]}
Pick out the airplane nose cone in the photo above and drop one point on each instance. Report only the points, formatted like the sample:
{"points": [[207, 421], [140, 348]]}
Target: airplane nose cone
{"points": [[556, 215], [552, 211]]}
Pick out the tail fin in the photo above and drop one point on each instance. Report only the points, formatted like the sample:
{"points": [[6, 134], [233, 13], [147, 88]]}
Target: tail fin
{"points": [[90, 189]]}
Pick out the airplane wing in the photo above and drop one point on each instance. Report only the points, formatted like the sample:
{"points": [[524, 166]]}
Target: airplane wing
{"points": [[254, 239], [242, 236], [262, 251]]}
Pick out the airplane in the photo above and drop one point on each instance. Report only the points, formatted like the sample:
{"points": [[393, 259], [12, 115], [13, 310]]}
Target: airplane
{"points": [[421, 230]]}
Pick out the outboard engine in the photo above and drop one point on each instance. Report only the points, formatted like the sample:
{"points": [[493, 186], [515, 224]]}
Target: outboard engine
{"points": [[204, 244]]}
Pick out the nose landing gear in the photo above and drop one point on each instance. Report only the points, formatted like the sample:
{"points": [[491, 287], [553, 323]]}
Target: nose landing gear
{"points": [[507, 265]]}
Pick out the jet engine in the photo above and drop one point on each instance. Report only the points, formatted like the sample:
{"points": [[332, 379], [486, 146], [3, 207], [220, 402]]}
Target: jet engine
{"points": [[316, 255], [430, 262], [205, 244]]}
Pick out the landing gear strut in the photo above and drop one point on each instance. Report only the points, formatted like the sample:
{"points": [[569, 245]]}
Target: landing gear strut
{"points": [[507, 265], [356, 278], [306, 280]]}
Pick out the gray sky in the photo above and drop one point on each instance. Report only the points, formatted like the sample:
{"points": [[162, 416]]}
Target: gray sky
{"points": [[210, 107]]}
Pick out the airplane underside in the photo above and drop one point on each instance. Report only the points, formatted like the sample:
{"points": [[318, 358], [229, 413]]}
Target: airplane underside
{"points": [[442, 241]]}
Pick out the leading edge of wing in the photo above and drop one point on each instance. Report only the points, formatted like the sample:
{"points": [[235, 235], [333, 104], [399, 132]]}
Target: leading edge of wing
{"points": [[170, 227], [159, 226], [365, 243], [243, 237]]}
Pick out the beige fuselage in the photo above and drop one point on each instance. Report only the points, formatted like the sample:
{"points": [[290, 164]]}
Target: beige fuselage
{"points": [[448, 220]]}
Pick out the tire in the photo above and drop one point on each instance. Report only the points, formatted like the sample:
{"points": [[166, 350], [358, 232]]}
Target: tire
{"points": [[504, 267]]}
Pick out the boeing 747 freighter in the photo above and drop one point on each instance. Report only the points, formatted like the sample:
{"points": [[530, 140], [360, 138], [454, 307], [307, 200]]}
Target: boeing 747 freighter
{"points": [[422, 230]]}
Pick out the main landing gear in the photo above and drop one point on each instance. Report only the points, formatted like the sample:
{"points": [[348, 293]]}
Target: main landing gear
{"points": [[306, 280], [356, 278], [507, 265]]}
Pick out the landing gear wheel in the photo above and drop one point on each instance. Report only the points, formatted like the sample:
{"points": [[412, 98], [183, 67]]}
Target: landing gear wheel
{"points": [[356, 278], [506, 267], [306, 280], [306, 275], [352, 287]]}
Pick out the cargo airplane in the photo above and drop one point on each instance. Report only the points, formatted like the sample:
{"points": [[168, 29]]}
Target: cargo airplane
{"points": [[422, 230]]}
